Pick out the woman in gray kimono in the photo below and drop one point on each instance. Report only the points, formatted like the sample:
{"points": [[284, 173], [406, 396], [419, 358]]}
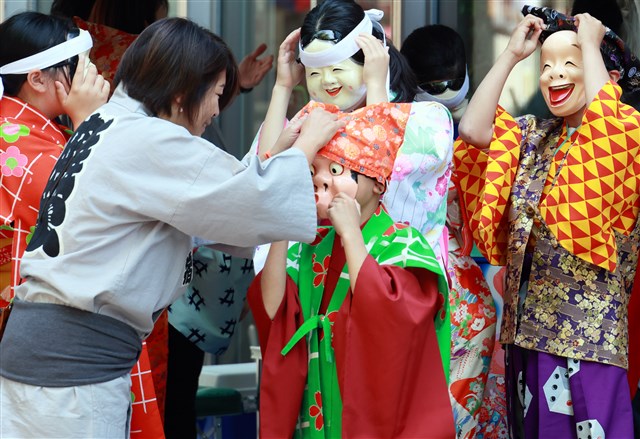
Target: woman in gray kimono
{"points": [[112, 246]]}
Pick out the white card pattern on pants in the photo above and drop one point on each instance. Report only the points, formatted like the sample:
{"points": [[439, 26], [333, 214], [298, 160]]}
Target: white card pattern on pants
{"points": [[557, 393], [524, 394], [590, 429]]}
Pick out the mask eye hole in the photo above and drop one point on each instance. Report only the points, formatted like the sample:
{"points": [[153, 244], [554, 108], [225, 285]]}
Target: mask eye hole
{"points": [[312, 170], [336, 169]]}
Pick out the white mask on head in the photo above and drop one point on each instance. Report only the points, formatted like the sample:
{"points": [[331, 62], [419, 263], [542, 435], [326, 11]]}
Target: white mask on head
{"points": [[347, 47], [451, 101]]}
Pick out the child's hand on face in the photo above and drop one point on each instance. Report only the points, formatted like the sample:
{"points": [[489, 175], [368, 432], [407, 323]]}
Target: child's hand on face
{"points": [[344, 213], [87, 92], [590, 31], [524, 38], [289, 71]]}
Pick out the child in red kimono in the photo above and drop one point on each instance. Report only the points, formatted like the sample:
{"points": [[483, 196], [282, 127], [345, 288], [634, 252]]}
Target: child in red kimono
{"points": [[346, 324], [36, 86]]}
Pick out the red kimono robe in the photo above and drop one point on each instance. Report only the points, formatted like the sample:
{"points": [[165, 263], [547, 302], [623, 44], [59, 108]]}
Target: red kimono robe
{"points": [[388, 362], [30, 145]]}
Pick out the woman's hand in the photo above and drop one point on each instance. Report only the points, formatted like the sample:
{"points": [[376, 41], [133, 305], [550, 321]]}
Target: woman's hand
{"points": [[87, 92], [289, 135], [524, 39], [290, 71], [316, 131], [376, 67], [252, 70]]}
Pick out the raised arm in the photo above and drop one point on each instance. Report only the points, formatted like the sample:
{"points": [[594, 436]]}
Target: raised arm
{"points": [[289, 73], [476, 125], [274, 277], [376, 68], [590, 34], [345, 216], [87, 92]]}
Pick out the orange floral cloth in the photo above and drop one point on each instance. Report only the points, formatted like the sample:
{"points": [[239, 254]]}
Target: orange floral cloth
{"points": [[370, 140]]}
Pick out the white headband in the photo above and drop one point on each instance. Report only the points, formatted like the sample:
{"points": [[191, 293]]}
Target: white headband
{"points": [[347, 47], [49, 57], [451, 102]]}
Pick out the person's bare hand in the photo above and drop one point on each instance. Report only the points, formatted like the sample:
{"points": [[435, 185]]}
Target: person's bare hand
{"points": [[289, 134], [590, 30], [376, 61], [253, 70], [524, 39], [87, 92], [344, 213], [316, 131], [289, 72]]}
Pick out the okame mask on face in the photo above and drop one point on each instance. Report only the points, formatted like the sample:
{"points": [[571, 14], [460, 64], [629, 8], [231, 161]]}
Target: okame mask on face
{"points": [[340, 84], [326, 51]]}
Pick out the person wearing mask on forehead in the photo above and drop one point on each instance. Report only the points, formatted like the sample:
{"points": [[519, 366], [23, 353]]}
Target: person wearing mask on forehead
{"points": [[556, 201], [44, 73], [436, 54], [346, 59]]}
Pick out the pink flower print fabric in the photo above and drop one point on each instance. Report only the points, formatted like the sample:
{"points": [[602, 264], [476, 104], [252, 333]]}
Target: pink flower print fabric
{"points": [[12, 162], [417, 192]]}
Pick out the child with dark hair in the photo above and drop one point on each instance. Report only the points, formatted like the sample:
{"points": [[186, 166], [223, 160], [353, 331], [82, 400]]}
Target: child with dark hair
{"points": [[348, 61], [437, 57], [72, 8], [346, 324], [39, 59], [113, 243], [333, 20], [557, 201]]}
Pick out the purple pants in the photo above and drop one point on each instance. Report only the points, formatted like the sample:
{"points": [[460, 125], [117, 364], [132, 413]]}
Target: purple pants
{"points": [[556, 397]]}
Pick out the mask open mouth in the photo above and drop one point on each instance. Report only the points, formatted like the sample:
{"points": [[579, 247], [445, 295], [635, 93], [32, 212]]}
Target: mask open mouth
{"points": [[334, 91], [559, 95]]}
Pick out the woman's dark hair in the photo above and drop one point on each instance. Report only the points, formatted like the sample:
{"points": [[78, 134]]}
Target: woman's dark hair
{"points": [[342, 16], [435, 53], [26, 34], [130, 16], [71, 8], [172, 58]]}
